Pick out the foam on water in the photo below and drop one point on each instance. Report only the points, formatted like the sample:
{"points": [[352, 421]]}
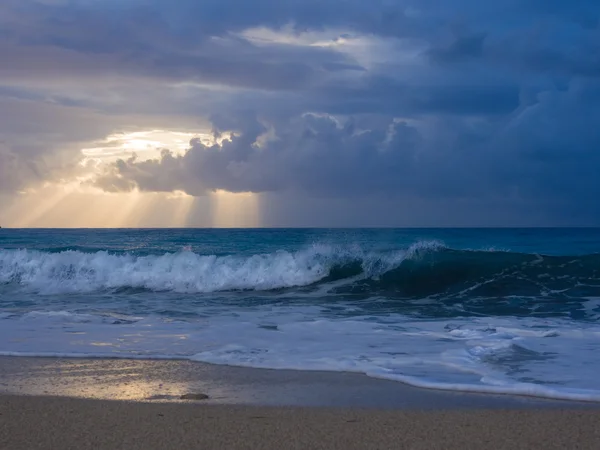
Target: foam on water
{"points": [[539, 357], [495, 321], [186, 272], [423, 269]]}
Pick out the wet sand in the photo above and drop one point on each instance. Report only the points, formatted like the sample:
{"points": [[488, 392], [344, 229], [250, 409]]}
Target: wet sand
{"points": [[167, 380]]}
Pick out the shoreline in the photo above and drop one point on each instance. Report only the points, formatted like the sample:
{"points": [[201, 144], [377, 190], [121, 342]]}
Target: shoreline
{"points": [[167, 380]]}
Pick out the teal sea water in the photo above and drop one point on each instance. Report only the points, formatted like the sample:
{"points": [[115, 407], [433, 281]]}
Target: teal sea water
{"points": [[488, 310]]}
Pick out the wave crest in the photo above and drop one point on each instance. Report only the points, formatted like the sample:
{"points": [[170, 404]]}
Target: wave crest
{"points": [[75, 271], [425, 268]]}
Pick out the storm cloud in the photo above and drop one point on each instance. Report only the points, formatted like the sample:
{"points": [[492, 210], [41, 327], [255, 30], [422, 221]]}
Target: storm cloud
{"points": [[533, 152], [462, 103]]}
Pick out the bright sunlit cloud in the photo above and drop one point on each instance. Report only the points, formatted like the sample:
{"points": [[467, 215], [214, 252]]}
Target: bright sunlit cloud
{"points": [[367, 50], [76, 204], [145, 144]]}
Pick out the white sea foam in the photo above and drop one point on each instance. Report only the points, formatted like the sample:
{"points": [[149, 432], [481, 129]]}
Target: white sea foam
{"points": [[187, 272], [527, 356], [78, 272]]}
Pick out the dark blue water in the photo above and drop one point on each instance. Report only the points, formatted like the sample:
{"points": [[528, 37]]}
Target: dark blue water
{"points": [[504, 310], [549, 241]]}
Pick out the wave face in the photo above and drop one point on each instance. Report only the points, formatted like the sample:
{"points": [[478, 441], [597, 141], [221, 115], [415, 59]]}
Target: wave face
{"points": [[74, 271], [503, 311], [424, 269], [442, 272]]}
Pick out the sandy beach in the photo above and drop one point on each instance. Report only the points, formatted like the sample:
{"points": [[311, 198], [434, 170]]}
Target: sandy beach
{"points": [[67, 423], [50, 403]]}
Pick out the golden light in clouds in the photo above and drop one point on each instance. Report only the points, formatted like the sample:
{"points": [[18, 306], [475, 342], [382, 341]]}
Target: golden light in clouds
{"points": [[146, 144], [75, 205]]}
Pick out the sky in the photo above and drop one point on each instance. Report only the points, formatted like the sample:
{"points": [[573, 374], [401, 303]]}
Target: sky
{"points": [[299, 113]]}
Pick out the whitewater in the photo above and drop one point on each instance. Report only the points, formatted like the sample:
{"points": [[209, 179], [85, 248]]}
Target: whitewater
{"points": [[497, 311]]}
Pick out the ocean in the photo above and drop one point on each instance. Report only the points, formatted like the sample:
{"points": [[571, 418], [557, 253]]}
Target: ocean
{"points": [[511, 311]]}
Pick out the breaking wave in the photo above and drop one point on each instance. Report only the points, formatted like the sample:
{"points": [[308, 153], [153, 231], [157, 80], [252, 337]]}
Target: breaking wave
{"points": [[423, 269]]}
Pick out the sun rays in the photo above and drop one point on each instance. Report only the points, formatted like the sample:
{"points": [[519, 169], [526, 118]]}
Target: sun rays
{"points": [[28, 208], [61, 206], [240, 210], [78, 204]]}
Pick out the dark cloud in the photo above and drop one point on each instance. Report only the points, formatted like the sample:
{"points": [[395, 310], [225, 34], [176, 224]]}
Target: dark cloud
{"points": [[135, 39], [194, 40], [384, 95], [462, 104], [460, 49], [546, 151]]}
